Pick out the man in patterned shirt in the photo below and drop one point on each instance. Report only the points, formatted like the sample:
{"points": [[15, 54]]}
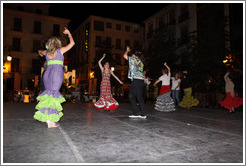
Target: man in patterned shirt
{"points": [[135, 73]]}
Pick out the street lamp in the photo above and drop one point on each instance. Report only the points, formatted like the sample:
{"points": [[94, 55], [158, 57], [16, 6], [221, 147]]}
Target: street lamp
{"points": [[7, 64], [92, 74], [9, 58]]}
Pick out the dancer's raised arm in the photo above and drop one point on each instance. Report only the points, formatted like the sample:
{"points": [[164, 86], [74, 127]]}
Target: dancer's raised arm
{"points": [[226, 75], [71, 41], [157, 81], [168, 68], [126, 53], [100, 62], [116, 77]]}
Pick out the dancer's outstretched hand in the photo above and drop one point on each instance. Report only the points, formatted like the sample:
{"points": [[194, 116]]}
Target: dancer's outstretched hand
{"points": [[41, 52], [66, 31], [121, 82], [104, 55], [165, 63]]}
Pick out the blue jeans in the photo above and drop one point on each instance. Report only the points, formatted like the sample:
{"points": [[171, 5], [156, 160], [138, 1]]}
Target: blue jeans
{"points": [[175, 96]]}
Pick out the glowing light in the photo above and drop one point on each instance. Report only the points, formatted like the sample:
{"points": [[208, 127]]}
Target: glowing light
{"points": [[224, 61], [92, 74], [112, 68], [9, 58], [26, 99], [7, 67]]}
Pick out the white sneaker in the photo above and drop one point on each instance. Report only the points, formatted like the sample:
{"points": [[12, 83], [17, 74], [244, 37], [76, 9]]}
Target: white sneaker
{"points": [[143, 117], [134, 116]]}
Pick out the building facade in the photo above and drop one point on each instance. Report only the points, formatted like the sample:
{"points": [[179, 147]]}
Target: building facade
{"points": [[236, 33], [95, 35], [180, 21], [26, 29]]}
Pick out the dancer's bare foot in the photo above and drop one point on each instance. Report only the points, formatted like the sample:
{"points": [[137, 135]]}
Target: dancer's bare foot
{"points": [[52, 124]]}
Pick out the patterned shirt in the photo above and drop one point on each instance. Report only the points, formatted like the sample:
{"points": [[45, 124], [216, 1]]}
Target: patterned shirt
{"points": [[135, 68]]}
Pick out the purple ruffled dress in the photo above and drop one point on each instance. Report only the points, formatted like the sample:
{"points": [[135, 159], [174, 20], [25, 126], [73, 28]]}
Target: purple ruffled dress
{"points": [[49, 106]]}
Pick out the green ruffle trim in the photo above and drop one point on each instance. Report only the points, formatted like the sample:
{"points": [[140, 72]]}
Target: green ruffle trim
{"points": [[44, 117], [47, 97], [50, 102], [189, 102]]}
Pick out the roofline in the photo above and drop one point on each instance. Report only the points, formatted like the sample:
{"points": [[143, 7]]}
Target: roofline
{"points": [[168, 6], [40, 15]]}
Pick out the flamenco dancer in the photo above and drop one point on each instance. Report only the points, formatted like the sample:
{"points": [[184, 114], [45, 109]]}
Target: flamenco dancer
{"points": [[135, 73], [164, 102], [188, 100], [49, 106], [231, 101], [106, 100]]}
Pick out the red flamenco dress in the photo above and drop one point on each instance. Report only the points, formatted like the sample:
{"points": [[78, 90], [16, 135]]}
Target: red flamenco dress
{"points": [[231, 102], [106, 100]]}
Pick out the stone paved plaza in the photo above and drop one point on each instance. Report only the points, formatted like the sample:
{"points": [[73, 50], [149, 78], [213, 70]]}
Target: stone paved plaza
{"points": [[87, 135]]}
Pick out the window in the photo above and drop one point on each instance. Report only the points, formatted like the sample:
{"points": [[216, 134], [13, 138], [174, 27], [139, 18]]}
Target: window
{"points": [[98, 41], [184, 8], [39, 11], [17, 24], [127, 43], [20, 8], [108, 42], [150, 30], [109, 25], [36, 66], [16, 44], [118, 44], [172, 20], [117, 59], [15, 64], [184, 39], [136, 28], [98, 25], [56, 30], [127, 28], [161, 22], [36, 45], [136, 45], [37, 27], [118, 27], [184, 13]]}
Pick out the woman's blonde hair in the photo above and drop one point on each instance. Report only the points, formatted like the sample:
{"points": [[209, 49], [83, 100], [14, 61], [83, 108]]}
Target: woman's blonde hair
{"points": [[53, 44]]}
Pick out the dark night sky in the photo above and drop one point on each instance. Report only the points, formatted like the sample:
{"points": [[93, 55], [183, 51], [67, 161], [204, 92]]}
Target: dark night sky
{"points": [[78, 12]]}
